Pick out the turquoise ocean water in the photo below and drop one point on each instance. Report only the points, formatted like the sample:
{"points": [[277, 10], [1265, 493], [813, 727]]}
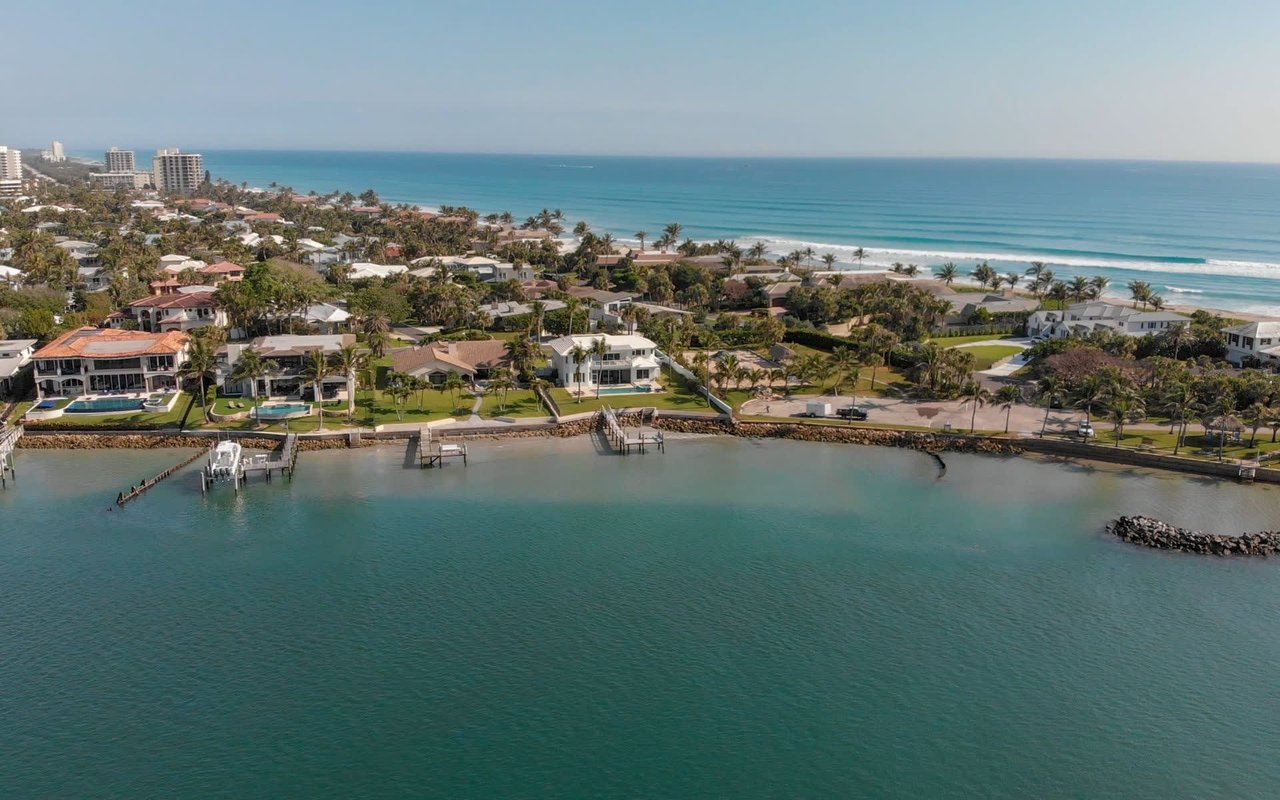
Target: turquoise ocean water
{"points": [[1205, 234], [730, 619]]}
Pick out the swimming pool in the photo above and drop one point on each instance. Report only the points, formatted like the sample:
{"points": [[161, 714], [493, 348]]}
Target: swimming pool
{"points": [[104, 405], [626, 390], [279, 410]]}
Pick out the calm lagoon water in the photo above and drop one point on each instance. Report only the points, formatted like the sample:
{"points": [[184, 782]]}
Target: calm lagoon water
{"points": [[730, 619]]}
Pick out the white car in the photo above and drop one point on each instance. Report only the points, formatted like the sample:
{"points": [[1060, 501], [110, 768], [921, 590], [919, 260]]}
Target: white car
{"points": [[1085, 430]]}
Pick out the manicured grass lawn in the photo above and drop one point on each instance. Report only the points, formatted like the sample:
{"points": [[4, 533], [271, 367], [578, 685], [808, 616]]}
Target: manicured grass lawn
{"points": [[373, 408], [520, 403], [675, 398], [169, 419], [952, 341], [987, 355], [19, 409]]}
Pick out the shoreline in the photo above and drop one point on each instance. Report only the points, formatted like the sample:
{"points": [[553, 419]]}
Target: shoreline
{"points": [[927, 442]]}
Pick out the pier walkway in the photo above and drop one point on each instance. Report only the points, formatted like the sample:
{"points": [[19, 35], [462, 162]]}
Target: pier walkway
{"points": [[624, 443], [432, 452], [8, 443]]}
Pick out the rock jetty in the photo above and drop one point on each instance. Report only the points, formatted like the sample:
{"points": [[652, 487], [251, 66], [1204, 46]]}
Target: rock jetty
{"points": [[1150, 532]]}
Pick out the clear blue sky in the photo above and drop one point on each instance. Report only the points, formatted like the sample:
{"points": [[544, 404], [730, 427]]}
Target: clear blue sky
{"points": [[1169, 79]]}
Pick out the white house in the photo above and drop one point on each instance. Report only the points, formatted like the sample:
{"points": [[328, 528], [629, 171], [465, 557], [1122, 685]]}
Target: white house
{"points": [[628, 360], [364, 269], [1084, 318], [288, 356], [328, 317], [15, 355], [10, 275], [1253, 340]]}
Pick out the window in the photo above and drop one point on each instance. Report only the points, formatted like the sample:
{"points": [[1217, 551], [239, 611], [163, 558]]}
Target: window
{"points": [[1264, 342], [613, 356], [642, 374]]}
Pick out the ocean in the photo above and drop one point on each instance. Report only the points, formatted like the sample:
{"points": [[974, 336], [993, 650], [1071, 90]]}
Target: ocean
{"points": [[733, 618], [1201, 234]]}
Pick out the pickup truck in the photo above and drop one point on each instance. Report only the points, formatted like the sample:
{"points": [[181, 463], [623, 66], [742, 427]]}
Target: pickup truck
{"points": [[851, 413]]}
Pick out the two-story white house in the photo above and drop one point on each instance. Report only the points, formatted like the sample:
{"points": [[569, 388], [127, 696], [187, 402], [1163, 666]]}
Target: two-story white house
{"points": [[180, 311], [1083, 318], [1253, 341], [606, 307], [91, 360], [288, 357], [627, 361], [15, 357]]}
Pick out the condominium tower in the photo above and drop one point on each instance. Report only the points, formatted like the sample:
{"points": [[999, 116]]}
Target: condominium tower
{"points": [[176, 172], [121, 160]]}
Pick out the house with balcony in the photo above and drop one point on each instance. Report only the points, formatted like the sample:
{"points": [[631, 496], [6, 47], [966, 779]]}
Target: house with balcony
{"points": [[180, 311], [605, 307], [1253, 342], [15, 358], [627, 361], [108, 360], [288, 356], [1082, 319]]}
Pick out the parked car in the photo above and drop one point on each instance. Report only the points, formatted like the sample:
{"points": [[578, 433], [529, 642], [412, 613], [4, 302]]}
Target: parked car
{"points": [[1085, 430], [851, 413]]}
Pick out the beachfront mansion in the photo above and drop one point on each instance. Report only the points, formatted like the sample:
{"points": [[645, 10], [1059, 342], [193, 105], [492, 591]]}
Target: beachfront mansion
{"points": [[627, 360], [95, 360]]}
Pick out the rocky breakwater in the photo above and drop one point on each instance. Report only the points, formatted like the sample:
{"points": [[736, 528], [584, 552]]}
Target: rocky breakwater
{"points": [[1153, 533], [881, 437], [89, 441]]}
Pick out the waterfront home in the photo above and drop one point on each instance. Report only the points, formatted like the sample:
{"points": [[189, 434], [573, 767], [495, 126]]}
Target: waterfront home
{"points": [[327, 317], [473, 360], [1084, 318], [629, 360], [1253, 342], [15, 358], [90, 360], [289, 356], [178, 311], [10, 276]]}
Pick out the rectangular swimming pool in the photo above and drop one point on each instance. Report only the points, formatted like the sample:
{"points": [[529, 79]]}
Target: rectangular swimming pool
{"points": [[284, 410], [625, 390], [104, 405]]}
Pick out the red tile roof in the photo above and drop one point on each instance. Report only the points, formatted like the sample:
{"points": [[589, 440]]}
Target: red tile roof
{"points": [[112, 343]]}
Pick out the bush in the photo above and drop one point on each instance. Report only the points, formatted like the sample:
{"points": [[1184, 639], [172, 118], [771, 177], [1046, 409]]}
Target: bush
{"points": [[818, 340]]}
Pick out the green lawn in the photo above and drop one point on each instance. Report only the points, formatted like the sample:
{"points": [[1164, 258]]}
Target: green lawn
{"points": [[373, 407], [675, 398], [987, 355], [169, 419], [520, 403], [952, 341], [1195, 445]]}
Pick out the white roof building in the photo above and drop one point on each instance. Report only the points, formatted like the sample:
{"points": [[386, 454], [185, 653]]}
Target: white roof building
{"points": [[627, 361], [1258, 341], [363, 269]]}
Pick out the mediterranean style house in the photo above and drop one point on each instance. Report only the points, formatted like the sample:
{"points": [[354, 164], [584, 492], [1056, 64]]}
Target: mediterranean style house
{"points": [[628, 360], [181, 311], [1253, 341], [474, 361], [289, 356], [90, 360]]}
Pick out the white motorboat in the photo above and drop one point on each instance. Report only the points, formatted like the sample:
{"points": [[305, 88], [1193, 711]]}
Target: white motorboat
{"points": [[224, 463]]}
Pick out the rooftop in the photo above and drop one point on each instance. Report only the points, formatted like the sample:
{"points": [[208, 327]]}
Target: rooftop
{"points": [[112, 343]]}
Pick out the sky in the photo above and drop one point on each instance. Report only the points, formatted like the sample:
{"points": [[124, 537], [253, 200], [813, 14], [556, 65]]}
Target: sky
{"points": [[1152, 79]]}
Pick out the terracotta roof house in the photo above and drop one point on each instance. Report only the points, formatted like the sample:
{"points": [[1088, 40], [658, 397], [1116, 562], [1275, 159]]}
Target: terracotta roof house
{"points": [[87, 360], [472, 360], [179, 311], [223, 271]]}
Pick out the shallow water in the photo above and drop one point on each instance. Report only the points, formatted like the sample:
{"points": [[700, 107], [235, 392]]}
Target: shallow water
{"points": [[733, 618]]}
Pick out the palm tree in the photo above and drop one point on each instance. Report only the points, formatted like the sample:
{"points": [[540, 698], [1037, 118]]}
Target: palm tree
{"points": [[1007, 397], [377, 343], [947, 273], [315, 369], [1140, 291], [976, 394], [1124, 406], [1097, 285], [843, 362], [757, 251], [202, 362], [1050, 389], [641, 235], [349, 361], [859, 254], [1079, 288], [500, 382], [538, 312], [1011, 280], [829, 259], [251, 367], [453, 385], [578, 354], [1180, 403], [1180, 335], [1258, 415], [598, 350], [1091, 390], [984, 274]]}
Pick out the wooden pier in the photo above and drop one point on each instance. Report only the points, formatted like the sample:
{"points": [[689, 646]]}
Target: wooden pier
{"points": [[624, 443], [8, 443], [137, 491], [433, 453]]}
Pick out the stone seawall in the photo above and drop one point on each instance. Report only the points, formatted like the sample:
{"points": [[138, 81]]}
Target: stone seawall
{"points": [[133, 441], [1159, 535], [837, 434]]}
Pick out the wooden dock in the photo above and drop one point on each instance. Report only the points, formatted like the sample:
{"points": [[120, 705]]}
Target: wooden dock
{"points": [[624, 443], [282, 462], [137, 491], [8, 443], [433, 453]]}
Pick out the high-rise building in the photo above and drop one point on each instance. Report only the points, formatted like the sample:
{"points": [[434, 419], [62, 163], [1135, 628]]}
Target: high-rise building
{"points": [[177, 172], [121, 160], [10, 164], [56, 153]]}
